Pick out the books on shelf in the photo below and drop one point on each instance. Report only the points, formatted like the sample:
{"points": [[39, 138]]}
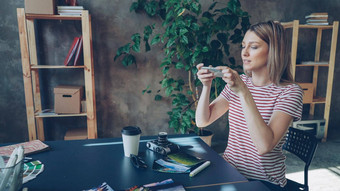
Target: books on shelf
{"points": [[317, 15], [313, 63], [71, 51], [73, 57], [69, 14], [70, 10], [313, 23], [47, 112], [317, 19], [78, 56]]}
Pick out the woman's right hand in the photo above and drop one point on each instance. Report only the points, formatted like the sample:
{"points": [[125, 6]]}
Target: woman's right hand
{"points": [[204, 75]]}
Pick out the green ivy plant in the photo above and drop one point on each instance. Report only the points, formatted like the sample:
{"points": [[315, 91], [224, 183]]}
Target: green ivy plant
{"points": [[190, 36]]}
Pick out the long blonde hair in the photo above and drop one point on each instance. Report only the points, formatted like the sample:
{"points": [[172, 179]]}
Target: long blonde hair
{"points": [[278, 62]]}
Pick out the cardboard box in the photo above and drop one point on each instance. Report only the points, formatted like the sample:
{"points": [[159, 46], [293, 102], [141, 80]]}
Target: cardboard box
{"points": [[76, 134], [67, 99], [307, 92], [40, 7]]}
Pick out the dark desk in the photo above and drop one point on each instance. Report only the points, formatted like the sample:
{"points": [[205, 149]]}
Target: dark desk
{"points": [[247, 186], [83, 164]]}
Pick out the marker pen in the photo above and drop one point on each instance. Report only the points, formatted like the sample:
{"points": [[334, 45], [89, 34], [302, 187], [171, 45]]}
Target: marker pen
{"points": [[199, 169]]}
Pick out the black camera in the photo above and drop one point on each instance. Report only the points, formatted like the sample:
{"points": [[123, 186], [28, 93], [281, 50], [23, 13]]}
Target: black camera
{"points": [[162, 145]]}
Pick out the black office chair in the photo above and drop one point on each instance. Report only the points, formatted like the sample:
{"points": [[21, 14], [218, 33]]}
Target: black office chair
{"points": [[303, 145]]}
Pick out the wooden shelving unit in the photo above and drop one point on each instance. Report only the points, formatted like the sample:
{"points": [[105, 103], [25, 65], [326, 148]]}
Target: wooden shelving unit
{"points": [[30, 66], [295, 25]]}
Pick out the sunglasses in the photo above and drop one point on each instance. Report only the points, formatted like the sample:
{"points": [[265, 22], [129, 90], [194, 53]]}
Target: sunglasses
{"points": [[137, 161]]}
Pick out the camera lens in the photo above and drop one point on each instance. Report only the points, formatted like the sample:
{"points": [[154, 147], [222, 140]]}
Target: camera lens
{"points": [[162, 138]]}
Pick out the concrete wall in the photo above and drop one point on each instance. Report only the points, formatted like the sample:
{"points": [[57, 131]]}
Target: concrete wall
{"points": [[119, 98]]}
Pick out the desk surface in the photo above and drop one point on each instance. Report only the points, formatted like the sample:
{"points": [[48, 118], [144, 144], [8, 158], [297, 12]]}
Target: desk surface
{"points": [[244, 186], [83, 164]]}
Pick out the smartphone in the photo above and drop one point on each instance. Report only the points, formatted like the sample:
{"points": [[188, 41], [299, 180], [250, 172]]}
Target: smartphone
{"points": [[217, 72]]}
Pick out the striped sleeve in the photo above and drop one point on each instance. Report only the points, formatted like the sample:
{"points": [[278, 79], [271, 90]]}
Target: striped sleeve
{"points": [[226, 93], [290, 102]]}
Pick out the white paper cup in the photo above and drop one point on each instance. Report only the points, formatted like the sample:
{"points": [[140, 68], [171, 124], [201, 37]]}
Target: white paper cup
{"points": [[131, 136]]}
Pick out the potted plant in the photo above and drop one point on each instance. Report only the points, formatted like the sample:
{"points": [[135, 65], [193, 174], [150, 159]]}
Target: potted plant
{"points": [[189, 36]]}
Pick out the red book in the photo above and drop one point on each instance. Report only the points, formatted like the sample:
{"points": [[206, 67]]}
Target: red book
{"points": [[71, 51], [77, 58]]}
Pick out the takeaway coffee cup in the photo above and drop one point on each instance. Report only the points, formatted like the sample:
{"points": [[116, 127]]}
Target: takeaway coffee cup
{"points": [[131, 136]]}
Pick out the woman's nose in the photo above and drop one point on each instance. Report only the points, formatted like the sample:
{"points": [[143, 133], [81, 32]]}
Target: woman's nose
{"points": [[245, 52]]}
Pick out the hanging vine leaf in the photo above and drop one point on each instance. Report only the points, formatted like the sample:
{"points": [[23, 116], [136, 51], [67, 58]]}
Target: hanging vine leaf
{"points": [[184, 39], [128, 60], [158, 97], [211, 7], [151, 8], [147, 89], [232, 61], [136, 39], [179, 65], [223, 38], [215, 44], [165, 70], [135, 6], [156, 39], [124, 49], [170, 42], [169, 90]]}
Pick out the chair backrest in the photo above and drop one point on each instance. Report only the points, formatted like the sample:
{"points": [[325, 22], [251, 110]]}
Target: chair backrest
{"points": [[303, 144]]}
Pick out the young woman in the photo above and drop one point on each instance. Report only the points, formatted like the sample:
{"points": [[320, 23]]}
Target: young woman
{"points": [[262, 103]]}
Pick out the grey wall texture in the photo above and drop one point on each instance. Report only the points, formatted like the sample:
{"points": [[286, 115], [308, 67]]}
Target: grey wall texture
{"points": [[119, 98]]}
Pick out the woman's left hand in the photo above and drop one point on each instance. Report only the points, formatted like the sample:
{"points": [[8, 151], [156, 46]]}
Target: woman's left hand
{"points": [[233, 80]]}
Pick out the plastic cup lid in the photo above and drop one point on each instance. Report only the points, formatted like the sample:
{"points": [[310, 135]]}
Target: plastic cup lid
{"points": [[131, 130]]}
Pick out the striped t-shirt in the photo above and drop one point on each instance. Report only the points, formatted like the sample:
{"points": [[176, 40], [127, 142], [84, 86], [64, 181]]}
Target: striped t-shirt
{"points": [[241, 151]]}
